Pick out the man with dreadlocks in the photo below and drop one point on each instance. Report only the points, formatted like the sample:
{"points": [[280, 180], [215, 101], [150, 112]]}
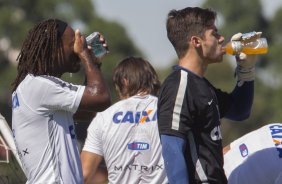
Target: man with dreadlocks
{"points": [[43, 104]]}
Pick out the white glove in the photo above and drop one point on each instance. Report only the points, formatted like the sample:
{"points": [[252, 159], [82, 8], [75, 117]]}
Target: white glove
{"points": [[245, 70]]}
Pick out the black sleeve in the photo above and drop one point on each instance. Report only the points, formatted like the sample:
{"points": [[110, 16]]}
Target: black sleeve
{"points": [[242, 101], [224, 101], [237, 105]]}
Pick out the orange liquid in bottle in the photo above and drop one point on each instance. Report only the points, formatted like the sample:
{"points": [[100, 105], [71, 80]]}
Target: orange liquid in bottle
{"points": [[259, 47], [229, 50], [248, 50]]}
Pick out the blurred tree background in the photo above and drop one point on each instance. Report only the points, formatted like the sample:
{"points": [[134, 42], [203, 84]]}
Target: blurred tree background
{"points": [[18, 16], [246, 16]]}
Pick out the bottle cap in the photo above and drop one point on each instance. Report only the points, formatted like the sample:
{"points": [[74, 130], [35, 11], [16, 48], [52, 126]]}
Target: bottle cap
{"points": [[246, 36]]}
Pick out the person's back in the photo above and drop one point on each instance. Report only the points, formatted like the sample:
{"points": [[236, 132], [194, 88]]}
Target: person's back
{"points": [[256, 158], [126, 134], [129, 139]]}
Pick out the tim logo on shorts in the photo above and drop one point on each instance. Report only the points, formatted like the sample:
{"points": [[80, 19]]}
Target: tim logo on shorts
{"points": [[138, 146], [244, 150], [135, 116]]}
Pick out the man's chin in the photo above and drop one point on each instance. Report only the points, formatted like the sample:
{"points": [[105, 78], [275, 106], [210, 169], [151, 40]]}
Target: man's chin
{"points": [[216, 61], [219, 60], [75, 69]]}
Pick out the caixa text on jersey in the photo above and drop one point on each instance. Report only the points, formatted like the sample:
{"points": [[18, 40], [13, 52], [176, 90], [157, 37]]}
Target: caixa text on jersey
{"points": [[135, 116]]}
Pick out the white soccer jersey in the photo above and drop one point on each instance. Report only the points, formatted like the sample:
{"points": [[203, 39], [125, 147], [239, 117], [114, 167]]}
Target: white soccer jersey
{"points": [[256, 158], [43, 129], [126, 135]]}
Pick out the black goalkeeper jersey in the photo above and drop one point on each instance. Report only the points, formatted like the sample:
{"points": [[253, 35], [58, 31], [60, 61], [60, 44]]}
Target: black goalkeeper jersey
{"points": [[190, 107]]}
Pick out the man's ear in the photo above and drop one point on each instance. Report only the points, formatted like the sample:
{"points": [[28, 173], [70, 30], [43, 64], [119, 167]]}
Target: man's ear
{"points": [[196, 41]]}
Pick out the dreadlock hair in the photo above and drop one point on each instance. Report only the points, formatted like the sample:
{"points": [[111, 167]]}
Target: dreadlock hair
{"points": [[42, 47]]}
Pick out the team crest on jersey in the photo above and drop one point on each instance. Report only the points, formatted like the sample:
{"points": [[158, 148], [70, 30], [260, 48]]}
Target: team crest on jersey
{"points": [[72, 131], [138, 146], [244, 150], [216, 134], [135, 117], [15, 101], [276, 133]]}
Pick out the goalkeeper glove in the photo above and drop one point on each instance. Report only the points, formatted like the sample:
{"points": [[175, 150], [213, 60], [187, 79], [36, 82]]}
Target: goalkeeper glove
{"points": [[245, 70]]}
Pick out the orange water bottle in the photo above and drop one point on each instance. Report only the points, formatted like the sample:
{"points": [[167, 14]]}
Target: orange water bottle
{"points": [[257, 46]]}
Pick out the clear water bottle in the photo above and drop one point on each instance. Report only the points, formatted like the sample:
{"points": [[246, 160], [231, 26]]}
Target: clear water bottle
{"points": [[257, 46], [98, 49]]}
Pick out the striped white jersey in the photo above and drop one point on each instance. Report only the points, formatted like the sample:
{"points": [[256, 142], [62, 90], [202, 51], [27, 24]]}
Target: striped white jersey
{"points": [[43, 129], [256, 158], [126, 135]]}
